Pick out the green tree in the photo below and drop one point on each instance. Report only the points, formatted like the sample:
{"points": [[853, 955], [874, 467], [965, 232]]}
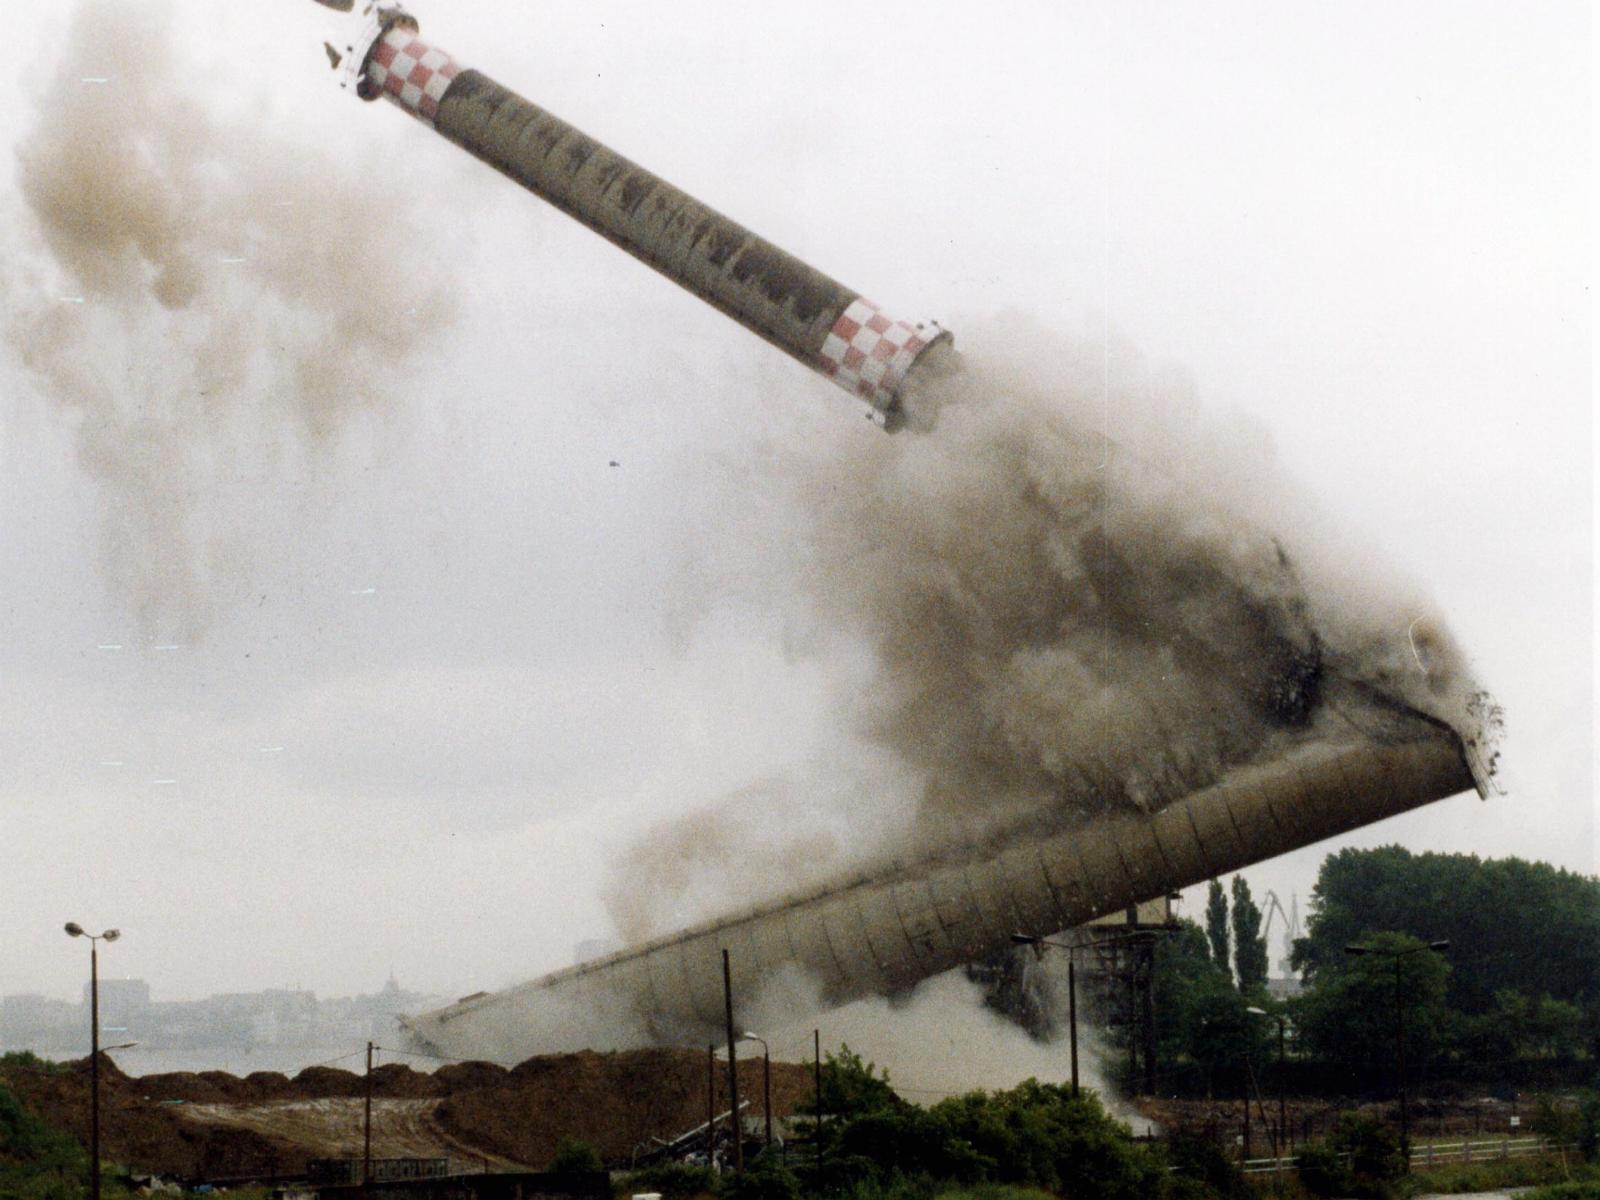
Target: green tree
{"points": [[1217, 925], [1203, 1017], [1526, 926], [1349, 1014], [1249, 946], [1038, 1133], [852, 1087]]}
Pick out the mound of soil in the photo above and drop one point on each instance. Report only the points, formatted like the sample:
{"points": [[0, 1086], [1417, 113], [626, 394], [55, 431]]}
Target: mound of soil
{"points": [[619, 1103], [142, 1130], [212, 1125]]}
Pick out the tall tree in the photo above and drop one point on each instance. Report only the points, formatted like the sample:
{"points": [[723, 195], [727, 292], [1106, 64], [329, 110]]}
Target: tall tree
{"points": [[1249, 946], [1217, 925], [1352, 1012], [1526, 926]]}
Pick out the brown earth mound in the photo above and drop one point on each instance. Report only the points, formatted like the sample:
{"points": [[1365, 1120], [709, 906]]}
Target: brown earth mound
{"points": [[212, 1125], [619, 1103], [142, 1131]]}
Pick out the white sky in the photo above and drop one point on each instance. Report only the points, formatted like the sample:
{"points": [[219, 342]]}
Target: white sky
{"points": [[1364, 224]]}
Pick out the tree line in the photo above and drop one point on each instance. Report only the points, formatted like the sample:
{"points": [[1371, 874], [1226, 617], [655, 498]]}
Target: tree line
{"points": [[1514, 993]]}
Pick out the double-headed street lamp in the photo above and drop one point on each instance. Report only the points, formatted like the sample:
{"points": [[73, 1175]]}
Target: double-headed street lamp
{"points": [[1281, 1142], [109, 935], [1400, 1027]]}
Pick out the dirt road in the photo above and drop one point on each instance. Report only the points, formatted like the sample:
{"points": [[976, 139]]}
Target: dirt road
{"points": [[333, 1127]]}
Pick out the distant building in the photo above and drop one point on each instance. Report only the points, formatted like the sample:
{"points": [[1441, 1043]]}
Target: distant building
{"points": [[29, 1022], [277, 1019]]}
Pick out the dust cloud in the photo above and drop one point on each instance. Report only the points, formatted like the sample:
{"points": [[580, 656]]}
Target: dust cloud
{"points": [[206, 300], [1080, 592], [939, 1041]]}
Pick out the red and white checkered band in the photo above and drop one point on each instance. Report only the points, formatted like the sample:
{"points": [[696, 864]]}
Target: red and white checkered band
{"points": [[868, 354], [410, 72]]}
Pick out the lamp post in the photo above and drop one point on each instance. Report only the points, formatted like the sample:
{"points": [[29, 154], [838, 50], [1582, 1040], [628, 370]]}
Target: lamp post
{"points": [[109, 935], [1279, 1137], [1396, 956], [766, 1079]]}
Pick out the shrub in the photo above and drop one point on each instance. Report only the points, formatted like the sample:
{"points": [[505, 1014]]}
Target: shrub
{"points": [[760, 1182], [675, 1181], [1202, 1161], [574, 1156]]}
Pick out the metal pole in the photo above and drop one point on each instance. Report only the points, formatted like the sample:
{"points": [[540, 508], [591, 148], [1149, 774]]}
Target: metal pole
{"points": [[1147, 1017], [1400, 1064], [711, 1101], [1133, 1021], [733, 1066], [366, 1136], [1283, 1088], [1072, 1019], [766, 1089], [94, 1068], [816, 1046]]}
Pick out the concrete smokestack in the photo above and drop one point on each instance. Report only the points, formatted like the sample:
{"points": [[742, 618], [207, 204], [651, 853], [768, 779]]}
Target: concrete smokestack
{"points": [[1341, 754], [883, 934], [812, 318]]}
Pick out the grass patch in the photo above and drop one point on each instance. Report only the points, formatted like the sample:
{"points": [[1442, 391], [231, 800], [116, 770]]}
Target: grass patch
{"points": [[1533, 1171]]}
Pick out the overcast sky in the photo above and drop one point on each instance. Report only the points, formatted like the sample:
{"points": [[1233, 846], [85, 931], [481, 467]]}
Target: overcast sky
{"points": [[459, 660]]}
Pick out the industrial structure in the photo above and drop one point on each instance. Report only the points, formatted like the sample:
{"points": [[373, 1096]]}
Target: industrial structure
{"points": [[812, 318], [1342, 752]]}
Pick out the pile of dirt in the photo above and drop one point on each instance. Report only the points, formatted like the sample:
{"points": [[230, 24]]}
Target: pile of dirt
{"points": [[142, 1131], [619, 1103], [211, 1125]]}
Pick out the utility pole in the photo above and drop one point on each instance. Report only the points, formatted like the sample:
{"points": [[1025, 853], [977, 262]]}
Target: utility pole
{"points": [[1400, 1064], [366, 1136], [1072, 1019], [1400, 1029], [711, 1100], [816, 1046], [733, 1066], [1147, 1019]]}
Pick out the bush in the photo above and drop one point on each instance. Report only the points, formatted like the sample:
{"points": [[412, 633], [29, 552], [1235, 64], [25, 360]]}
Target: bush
{"points": [[675, 1181], [1039, 1134], [1374, 1149], [574, 1157], [1580, 1190], [760, 1182], [1323, 1171], [1201, 1161]]}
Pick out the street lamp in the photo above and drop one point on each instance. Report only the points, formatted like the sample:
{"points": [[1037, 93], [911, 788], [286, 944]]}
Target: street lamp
{"points": [[1282, 1140], [766, 1079], [1400, 1028], [109, 935]]}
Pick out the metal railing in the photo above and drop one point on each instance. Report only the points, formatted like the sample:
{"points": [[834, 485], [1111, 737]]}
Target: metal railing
{"points": [[1438, 1154]]}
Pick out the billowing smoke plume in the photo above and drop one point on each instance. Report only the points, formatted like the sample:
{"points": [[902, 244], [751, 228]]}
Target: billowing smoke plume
{"points": [[1080, 593], [198, 294]]}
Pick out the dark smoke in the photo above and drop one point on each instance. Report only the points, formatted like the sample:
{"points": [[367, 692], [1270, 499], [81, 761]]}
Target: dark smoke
{"points": [[1080, 593], [204, 299]]}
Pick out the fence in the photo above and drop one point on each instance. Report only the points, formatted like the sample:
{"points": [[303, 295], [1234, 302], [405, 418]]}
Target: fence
{"points": [[1438, 1154]]}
